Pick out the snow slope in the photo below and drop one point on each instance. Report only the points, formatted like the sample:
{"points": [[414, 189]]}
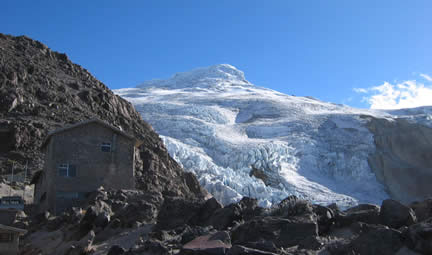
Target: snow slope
{"points": [[220, 126]]}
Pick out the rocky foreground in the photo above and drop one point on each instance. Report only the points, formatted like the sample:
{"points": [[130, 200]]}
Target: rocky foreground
{"points": [[129, 222]]}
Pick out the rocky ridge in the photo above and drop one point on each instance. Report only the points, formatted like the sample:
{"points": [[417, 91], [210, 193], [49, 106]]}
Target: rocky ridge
{"points": [[42, 90]]}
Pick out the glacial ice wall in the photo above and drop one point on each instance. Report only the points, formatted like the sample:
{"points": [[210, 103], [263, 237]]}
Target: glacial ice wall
{"points": [[219, 126]]}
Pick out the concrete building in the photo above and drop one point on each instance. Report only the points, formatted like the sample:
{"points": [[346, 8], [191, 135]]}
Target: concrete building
{"points": [[9, 239], [81, 158]]}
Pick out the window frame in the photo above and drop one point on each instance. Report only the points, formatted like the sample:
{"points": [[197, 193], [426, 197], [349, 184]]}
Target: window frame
{"points": [[69, 169], [6, 237], [106, 147]]}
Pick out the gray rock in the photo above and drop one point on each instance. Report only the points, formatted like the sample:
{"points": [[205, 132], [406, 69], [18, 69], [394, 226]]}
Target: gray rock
{"points": [[422, 209], [177, 211], [283, 232], [378, 241], [419, 237], [361, 213], [402, 159], [214, 244], [396, 215], [242, 250], [245, 209], [326, 218], [291, 206], [116, 250], [372, 239]]}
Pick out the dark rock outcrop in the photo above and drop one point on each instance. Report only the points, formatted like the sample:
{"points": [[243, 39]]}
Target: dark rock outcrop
{"points": [[396, 215], [215, 244], [282, 232], [419, 237], [378, 240], [403, 157], [241, 250], [422, 209], [361, 213]]}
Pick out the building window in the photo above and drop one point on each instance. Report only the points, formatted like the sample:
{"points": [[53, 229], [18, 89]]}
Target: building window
{"points": [[106, 147], [67, 170], [6, 237]]}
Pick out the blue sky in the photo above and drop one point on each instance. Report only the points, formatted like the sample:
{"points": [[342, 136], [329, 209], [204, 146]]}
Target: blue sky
{"points": [[339, 51]]}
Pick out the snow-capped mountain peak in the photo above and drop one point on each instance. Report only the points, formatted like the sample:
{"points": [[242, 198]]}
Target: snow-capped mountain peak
{"points": [[215, 76], [244, 140]]}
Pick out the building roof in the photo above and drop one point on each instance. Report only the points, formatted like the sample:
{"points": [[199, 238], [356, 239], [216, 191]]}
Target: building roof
{"points": [[90, 121], [12, 229]]}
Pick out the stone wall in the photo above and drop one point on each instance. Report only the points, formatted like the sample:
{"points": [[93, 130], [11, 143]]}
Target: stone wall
{"points": [[81, 147], [9, 248]]}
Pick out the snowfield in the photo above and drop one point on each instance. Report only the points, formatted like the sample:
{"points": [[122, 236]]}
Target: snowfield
{"points": [[219, 126]]}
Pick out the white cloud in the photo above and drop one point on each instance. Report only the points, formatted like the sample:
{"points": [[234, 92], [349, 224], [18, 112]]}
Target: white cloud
{"points": [[406, 94], [360, 90], [427, 77]]}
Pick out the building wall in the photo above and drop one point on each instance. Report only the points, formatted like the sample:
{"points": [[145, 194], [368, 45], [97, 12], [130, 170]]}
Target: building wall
{"points": [[43, 183], [7, 217], [81, 146], [10, 248]]}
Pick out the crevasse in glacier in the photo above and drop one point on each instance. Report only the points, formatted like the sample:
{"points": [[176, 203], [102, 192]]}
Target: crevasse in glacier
{"points": [[223, 128]]}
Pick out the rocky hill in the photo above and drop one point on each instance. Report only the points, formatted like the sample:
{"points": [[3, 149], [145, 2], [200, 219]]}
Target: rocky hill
{"points": [[42, 90]]}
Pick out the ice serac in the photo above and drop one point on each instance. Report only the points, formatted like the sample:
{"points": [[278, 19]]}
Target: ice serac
{"points": [[243, 140]]}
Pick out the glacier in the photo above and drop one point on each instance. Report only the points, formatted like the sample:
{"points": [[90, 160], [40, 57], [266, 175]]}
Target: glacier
{"points": [[245, 140]]}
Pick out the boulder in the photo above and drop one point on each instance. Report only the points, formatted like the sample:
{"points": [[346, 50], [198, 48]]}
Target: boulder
{"points": [[225, 217], [311, 243], [116, 250], [291, 206], [371, 239], [363, 207], [361, 213], [380, 240], [176, 211], [282, 232], [153, 247], [214, 244], [210, 206], [97, 215], [242, 250], [83, 246], [249, 208], [245, 209], [191, 232], [423, 209], [419, 237], [406, 251], [395, 214], [325, 218], [262, 245]]}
